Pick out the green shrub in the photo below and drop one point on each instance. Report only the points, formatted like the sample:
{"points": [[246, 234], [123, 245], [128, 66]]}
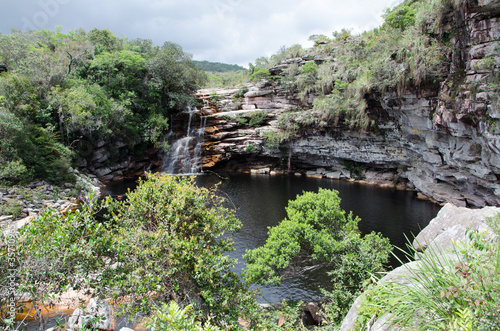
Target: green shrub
{"points": [[13, 208], [309, 68], [240, 93], [242, 121], [14, 172], [172, 317], [259, 74], [257, 118], [251, 149], [317, 228], [167, 239]]}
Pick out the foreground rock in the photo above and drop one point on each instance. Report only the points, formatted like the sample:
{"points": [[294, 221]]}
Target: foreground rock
{"points": [[449, 227], [97, 315]]}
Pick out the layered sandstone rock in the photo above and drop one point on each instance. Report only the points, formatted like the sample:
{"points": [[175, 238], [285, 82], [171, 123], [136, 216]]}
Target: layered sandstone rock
{"points": [[440, 140]]}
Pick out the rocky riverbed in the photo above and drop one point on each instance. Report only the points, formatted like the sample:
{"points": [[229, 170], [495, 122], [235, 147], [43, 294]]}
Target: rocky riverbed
{"points": [[21, 203]]}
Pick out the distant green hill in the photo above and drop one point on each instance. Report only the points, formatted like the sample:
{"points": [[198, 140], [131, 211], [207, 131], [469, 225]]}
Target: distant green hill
{"points": [[217, 66]]}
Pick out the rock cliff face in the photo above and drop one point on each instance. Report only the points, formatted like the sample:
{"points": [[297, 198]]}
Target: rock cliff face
{"points": [[443, 140]]}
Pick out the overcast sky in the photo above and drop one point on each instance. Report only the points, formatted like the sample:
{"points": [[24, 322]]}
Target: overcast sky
{"points": [[229, 31]]}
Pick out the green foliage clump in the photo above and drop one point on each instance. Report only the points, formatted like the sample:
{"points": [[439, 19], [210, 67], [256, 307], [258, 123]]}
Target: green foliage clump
{"points": [[257, 118], [309, 68], [317, 229], [166, 242], [259, 73], [251, 149], [285, 316], [240, 94], [401, 17], [446, 290], [172, 317]]}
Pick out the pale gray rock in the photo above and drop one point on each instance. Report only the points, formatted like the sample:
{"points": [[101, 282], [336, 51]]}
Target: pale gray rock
{"points": [[451, 216], [97, 315]]}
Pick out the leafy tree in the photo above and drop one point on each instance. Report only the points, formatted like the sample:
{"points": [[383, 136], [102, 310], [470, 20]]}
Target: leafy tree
{"points": [[342, 35], [76, 89], [103, 41], [319, 39], [15, 47], [27, 149], [400, 17], [317, 229], [118, 72], [172, 78]]}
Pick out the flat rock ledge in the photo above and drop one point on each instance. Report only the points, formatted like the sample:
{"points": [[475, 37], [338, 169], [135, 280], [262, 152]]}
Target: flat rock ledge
{"points": [[450, 226]]}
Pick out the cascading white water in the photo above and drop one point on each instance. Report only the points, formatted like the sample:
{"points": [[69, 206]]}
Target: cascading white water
{"points": [[184, 155]]}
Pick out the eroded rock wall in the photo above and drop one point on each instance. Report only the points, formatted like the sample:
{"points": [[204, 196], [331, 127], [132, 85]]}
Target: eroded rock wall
{"points": [[443, 140]]}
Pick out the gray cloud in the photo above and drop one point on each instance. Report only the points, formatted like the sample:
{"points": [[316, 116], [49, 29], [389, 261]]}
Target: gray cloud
{"points": [[231, 31]]}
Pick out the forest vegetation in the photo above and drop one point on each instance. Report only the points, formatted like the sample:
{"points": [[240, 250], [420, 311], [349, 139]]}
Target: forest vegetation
{"points": [[62, 92]]}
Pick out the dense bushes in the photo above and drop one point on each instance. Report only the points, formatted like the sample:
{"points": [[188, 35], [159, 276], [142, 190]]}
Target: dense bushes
{"points": [[166, 242], [65, 92]]}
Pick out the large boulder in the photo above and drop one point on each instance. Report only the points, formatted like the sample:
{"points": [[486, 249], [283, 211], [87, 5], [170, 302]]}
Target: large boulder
{"points": [[451, 225]]}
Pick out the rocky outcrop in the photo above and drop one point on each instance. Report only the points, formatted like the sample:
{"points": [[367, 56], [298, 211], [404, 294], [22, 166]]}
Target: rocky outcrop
{"points": [[98, 315], [443, 140], [449, 228], [115, 161], [26, 202]]}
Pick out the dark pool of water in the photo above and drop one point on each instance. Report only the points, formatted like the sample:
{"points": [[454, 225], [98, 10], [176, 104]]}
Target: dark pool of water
{"points": [[260, 202]]}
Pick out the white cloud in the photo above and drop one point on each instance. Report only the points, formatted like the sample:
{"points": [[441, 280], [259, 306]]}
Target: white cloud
{"points": [[231, 31]]}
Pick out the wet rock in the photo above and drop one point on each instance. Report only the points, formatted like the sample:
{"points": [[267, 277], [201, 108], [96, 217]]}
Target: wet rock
{"points": [[6, 218], [312, 313], [260, 171]]}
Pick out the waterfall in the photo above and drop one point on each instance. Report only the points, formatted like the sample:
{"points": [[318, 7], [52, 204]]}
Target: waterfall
{"points": [[184, 155]]}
